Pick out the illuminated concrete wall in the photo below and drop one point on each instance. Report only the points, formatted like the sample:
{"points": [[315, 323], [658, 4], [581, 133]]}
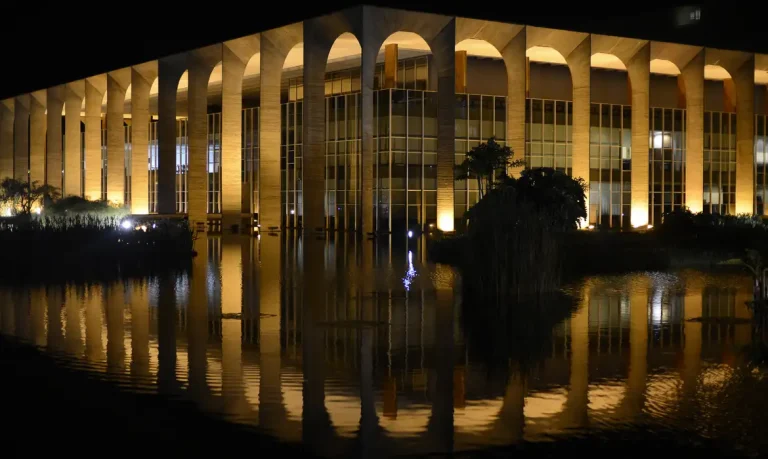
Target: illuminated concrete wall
{"points": [[6, 139], [117, 83], [95, 87], [693, 80], [142, 77], [73, 101], [53, 137], [21, 138], [37, 123]]}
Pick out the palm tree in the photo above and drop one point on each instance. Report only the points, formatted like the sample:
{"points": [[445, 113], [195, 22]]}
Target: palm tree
{"points": [[488, 164]]}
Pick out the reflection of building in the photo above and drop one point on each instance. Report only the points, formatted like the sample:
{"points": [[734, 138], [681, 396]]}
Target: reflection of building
{"points": [[304, 125]]}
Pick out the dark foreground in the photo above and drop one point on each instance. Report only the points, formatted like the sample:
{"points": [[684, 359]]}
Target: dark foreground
{"points": [[48, 406]]}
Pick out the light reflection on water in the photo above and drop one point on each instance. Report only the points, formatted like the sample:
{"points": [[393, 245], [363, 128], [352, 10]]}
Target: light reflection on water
{"points": [[325, 342]]}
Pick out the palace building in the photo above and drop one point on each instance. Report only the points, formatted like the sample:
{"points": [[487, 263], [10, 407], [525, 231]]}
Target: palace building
{"points": [[354, 121]]}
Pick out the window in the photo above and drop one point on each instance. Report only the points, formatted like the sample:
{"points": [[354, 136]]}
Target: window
{"points": [[666, 156], [610, 161]]}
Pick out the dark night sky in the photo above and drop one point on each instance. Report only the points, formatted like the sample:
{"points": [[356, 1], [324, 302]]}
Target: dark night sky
{"points": [[30, 63]]}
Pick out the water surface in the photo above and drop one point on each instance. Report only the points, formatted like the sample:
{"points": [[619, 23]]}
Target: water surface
{"points": [[343, 346]]}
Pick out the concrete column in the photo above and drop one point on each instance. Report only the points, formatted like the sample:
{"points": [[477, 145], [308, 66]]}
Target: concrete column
{"points": [[693, 80], [634, 399], [639, 70], [6, 139], [95, 87], [235, 57], [117, 83], [21, 138], [390, 65], [197, 109], [231, 323], [37, 104], [313, 191], [54, 166], [115, 315], [169, 72], [197, 324], [461, 72], [744, 79], [440, 429], [166, 331], [271, 409], [73, 326], [73, 102], [579, 62], [516, 63], [575, 414], [692, 331], [272, 59], [54, 302], [443, 50], [141, 82]]}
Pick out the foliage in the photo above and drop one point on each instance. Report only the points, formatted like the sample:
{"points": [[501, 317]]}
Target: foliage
{"points": [[714, 232], [22, 196], [515, 233], [75, 205], [487, 163]]}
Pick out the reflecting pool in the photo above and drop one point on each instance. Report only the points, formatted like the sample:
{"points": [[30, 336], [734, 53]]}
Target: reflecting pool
{"points": [[344, 345]]}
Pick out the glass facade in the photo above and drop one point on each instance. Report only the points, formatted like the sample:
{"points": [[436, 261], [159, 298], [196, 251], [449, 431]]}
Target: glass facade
{"points": [[127, 167], [214, 164], [291, 137], [154, 162], [342, 160], [405, 147], [548, 134], [182, 166], [610, 165], [478, 118], [412, 73], [666, 179], [720, 163], [250, 158], [761, 163]]}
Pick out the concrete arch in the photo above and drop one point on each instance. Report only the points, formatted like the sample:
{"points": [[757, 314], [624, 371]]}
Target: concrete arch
{"points": [[37, 121], [576, 47], [169, 72], [440, 34], [235, 197], [510, 41], [74, 94], [54, 164], [274, 47], [690, 62], [143, 77], [95, 92], [635, 55], [761, 69], [118, 82], [741, 89], [200, 63]]}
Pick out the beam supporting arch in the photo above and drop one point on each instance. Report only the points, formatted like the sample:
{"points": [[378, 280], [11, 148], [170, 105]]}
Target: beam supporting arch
{"points": [[169, 70], [117, 84], [200, 63], [37, 105], [53, 137], [95, 87], [6, 138], [142, 77], [21, 138], [235, 57], [275, 45], [639, 70], [73, 102]]}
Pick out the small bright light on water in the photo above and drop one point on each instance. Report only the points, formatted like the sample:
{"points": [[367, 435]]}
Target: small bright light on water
{"points": [[410, 233], [126, 224], [410, 274]]}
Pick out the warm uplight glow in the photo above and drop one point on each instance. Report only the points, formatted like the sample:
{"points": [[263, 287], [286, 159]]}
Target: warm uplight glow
{"points": [[664, 67], [715, 72], [37, 210], [607, 61], [544, 54], [6, 211], [445, 221], [639, 216]]}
